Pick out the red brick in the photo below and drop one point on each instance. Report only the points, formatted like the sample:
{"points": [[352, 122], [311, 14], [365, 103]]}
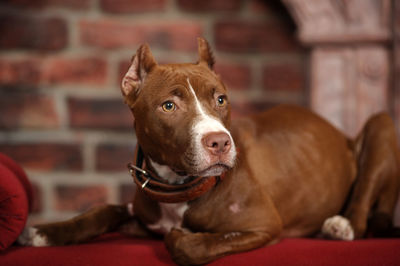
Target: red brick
{"points": [[283, 77], [37, 204], [39, 4], [45, 156], [26, 110], [127, 193], [235, 76], [132, 6], [259, 6], [99, 114], [210, 5], [255, 37], [79, 198], [87, 70], [114, 157], [176, 35], [124, 65], [46, 34], [20, 72], [271, 10]]}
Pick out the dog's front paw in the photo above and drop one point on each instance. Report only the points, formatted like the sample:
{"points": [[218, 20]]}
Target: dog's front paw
{"points": [[31, 237], [186, 248], [173, 239], [338, 227]]}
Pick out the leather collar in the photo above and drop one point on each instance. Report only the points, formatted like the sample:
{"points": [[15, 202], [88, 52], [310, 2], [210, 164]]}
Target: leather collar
{"points": [[157, 189]]}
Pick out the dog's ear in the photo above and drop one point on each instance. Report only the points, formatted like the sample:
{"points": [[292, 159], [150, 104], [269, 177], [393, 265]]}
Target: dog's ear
{"points": [[205, 53], [141, 64]]}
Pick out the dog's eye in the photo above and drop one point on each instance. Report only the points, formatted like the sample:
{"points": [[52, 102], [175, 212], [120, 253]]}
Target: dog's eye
{"points": [[222, 101], [168, 106]]}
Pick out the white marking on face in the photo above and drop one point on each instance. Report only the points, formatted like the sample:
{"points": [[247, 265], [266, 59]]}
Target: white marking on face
{"points": [[203, 125], [171, 217], [198, 105]]}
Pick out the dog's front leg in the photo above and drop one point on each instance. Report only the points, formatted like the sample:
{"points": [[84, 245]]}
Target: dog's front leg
{"points": [[79, 229], [199, 248]]}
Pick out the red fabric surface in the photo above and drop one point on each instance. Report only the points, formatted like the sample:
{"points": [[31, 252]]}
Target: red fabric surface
{"points": [[20, 174], [13, 206], [114, 249]]}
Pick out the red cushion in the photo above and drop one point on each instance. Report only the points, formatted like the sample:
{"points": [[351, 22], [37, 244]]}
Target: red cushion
{"points": [[20, 174], [114, 249], [14, 207]]}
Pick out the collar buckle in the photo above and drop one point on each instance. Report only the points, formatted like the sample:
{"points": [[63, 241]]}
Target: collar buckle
{"points": [[132, 169]]}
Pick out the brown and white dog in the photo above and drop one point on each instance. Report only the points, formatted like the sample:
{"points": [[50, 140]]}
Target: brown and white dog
{"points": [[214, 188]]}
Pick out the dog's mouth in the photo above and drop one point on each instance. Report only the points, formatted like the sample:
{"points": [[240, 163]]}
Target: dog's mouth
{"points": [[214, 170]]}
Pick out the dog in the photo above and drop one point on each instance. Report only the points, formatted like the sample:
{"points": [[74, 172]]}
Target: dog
{"points": [[213, 187]]}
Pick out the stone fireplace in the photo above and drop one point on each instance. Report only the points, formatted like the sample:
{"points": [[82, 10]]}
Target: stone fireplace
{"points": [[351, 58], [354, 59]]}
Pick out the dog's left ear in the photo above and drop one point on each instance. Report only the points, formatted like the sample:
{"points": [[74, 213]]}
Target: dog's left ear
{"points": [[141, 64], [205, 53]]}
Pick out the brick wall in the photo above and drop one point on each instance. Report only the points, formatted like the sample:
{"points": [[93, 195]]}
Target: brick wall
{"points": [[61, 62]]}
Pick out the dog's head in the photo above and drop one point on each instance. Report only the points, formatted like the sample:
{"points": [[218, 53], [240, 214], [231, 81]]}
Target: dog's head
{"points": [[182, 113]]}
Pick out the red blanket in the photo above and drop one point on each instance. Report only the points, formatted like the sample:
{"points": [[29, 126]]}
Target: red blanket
{"points": [[115, 249]]}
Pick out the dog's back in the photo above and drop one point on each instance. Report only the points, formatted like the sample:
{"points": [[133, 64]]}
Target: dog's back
{"points": [[293, 149]]}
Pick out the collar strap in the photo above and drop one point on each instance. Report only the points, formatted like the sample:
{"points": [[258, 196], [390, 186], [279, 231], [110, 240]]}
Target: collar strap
{"points": [[159, 190]]}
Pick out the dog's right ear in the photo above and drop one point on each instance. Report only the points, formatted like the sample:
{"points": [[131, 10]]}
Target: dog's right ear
{"points": [[141, 64], [205, 53]]}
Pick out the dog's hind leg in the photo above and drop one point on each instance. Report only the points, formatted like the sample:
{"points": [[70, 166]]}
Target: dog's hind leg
{"points": [[376, 187], [79, 229]]}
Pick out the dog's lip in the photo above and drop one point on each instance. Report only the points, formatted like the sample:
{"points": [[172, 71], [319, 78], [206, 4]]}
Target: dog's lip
{"points": [[185, 174], [214, 170]]}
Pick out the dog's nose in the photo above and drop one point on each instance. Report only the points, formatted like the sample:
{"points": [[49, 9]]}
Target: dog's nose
{"points": [[217, 142]]}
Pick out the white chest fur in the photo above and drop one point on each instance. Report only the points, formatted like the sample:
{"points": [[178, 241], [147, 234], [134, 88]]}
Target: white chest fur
{"points": [[171, 217]]}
